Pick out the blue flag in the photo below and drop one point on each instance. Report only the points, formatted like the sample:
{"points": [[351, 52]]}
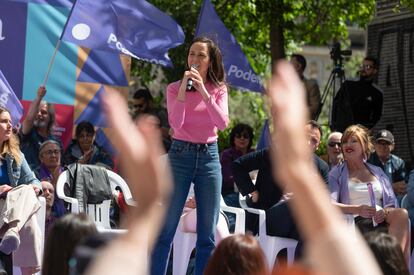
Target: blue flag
{"points": [[265, 137], [239, 72], [9, 100], [132, 27]]}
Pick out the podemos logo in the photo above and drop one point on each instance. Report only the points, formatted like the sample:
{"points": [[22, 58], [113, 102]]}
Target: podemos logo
{"points": [[113, 40], [249, 76]]}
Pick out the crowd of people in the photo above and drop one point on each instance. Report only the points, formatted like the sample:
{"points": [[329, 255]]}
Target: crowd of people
{"points": [[304, 197]]}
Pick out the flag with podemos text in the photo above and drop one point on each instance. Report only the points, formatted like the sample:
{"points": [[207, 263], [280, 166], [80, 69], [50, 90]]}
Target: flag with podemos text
{"points": [[29, 31], [238, 69], [132, 27]]}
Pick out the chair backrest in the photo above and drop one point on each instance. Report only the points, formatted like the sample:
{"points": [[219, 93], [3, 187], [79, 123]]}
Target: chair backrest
{"points": [[404, 202], [98, 212]]}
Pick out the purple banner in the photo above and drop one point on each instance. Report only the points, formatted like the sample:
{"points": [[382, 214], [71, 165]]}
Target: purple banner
{"points": [[13, 43]]}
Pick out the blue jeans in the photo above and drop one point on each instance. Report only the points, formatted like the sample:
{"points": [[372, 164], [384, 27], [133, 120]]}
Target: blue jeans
{"points": [[197, 163]]}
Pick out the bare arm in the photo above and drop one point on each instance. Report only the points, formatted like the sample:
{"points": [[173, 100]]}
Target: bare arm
{"points": [[27, 124], [331, 248]]}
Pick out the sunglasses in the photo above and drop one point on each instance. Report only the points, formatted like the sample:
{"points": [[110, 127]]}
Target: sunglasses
{"points": [[367, 67], [245, 136], [333, 144], [383, 142]]}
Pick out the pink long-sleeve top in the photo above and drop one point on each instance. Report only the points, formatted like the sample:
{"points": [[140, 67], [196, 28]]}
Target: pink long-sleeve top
{"points": [[196, 120]]}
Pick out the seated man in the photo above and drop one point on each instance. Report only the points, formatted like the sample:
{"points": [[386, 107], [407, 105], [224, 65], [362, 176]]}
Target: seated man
{"points": [[393, 166], [49, 194], [266, 194], [334, 149]]}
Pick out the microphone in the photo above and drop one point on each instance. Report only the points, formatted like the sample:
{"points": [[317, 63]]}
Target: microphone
{"points": [[190, 86]]}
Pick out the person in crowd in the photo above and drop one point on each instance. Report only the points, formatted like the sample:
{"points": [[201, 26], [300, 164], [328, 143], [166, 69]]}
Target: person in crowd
{"points": [[37, 127], [335, 156], [65, 234], [266, 194], [142, 102], [195, 115], [315, 134], [363, 190], [332, 248], [20, 232], [393, 166], [84, 150], [313, 96], [388, 253], [237, 254], [241, 140], [49, 170], [358, 102], [49, 194]]}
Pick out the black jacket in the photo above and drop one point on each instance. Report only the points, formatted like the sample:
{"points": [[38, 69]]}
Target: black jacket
{"points": [[357, 102], [269, 191]]}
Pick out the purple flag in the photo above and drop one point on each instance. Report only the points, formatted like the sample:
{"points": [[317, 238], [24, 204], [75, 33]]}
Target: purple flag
{"points": [[9, 100], [239, 72], [132, 27]]}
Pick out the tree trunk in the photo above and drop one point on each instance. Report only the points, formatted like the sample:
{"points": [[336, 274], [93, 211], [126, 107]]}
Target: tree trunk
{"points": [[277, 39]]}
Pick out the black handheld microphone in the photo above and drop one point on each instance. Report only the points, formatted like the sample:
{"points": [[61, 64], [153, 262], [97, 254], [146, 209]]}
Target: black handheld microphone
{"points": [[190, 86]]}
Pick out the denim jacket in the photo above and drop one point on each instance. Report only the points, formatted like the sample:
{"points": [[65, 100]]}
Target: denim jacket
{"points": [[338, 185], [20, 174]]}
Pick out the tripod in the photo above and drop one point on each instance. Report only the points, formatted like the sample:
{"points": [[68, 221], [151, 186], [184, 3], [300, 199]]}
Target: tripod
{"points": [[336, 77]]}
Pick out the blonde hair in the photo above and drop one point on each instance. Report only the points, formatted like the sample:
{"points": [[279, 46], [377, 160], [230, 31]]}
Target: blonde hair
{"points": [[11, 146], [361, 134]]}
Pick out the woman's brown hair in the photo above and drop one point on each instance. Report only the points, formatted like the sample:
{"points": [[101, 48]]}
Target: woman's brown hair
{"points": [[238, 255], [11, 146], [216, 68]]}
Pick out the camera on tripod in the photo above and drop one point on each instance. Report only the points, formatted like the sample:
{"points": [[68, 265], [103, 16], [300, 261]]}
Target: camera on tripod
{"points": [[337, 55], [337, 75]]}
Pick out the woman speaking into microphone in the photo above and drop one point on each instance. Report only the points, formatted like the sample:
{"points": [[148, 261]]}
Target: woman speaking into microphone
{"points": [[195, 114]]}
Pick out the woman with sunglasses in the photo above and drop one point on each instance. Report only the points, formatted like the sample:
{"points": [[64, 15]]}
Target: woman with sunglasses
{"points": [[241, 140], [197, 108]]}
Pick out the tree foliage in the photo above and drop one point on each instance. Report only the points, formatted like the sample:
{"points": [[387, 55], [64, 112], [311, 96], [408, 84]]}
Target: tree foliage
{"points": [[265, 29]]}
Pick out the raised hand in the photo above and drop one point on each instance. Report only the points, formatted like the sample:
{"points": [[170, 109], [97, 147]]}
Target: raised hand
{"points": [[289, 122], [41, 91], [140, 147]]}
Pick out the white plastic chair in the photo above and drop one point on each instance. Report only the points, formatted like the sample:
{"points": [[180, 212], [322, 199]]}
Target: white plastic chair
{"points": [[271, 245], [41, 220], [97, 212], [185, 241]]}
